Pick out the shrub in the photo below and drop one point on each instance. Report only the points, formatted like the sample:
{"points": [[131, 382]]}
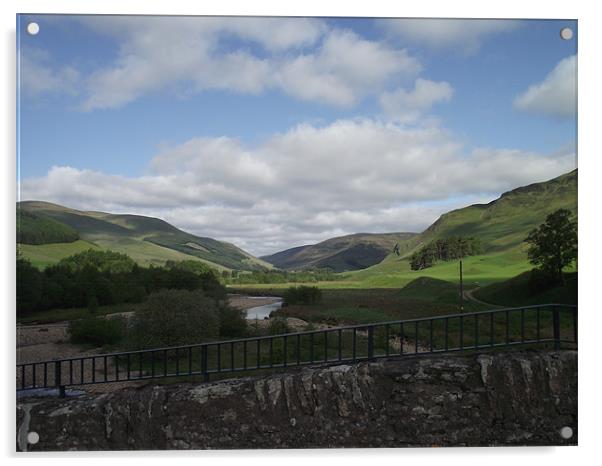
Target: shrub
{"points": [[92, 305], [232, 322], [97, 331], [302, 295], [174, 317], [103, 261], [278, 326]]}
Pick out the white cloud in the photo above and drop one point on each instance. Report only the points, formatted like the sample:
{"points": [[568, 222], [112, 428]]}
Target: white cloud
{"points": [[304, 58], [556, 95], [344, 68], [275, 34], [306, 184], [464, 35], [37, 77], [407, 106]]}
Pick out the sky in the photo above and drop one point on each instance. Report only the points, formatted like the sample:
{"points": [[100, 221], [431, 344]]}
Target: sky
{"points": [[272, 133]]}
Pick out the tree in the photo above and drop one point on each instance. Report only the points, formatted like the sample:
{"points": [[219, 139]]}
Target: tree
{"points": [[30, 286], [232, 321], [445, 249], [174, 318], [553, 245]]}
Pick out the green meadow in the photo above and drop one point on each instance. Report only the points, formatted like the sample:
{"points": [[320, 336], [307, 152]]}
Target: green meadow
{"points": [[43, 255]]}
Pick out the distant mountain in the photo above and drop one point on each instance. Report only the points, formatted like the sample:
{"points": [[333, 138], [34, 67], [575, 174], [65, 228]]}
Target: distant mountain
{"points": [[147, 240], [351, 252]]}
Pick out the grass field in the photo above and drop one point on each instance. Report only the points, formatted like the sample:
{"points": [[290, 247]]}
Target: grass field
{"points": [[477, 270], [423, 297], [516, 292], [43, 255], [395, 272], [147, 253]]}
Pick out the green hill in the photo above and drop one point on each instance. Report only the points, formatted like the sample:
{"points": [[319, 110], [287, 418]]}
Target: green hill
{"points": [[352, 252], [505, 222], [34, 229], [501, 225], [147, 240]]}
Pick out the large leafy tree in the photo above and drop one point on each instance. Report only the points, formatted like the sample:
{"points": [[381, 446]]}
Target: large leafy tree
{"points": [[553, 245]]}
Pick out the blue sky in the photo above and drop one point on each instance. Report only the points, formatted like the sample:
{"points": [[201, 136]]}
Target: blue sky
{"points": [[300, 129]]}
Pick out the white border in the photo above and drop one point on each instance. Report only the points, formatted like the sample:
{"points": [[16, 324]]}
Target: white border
{"points": [[589, 229]]}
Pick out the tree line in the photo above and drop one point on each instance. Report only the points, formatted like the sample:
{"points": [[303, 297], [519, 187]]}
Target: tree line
{"points": [[279, 276], [93, 278], [447, 249]]}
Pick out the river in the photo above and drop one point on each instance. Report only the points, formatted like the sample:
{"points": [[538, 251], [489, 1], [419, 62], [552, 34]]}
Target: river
{"points": [[261, 312]]}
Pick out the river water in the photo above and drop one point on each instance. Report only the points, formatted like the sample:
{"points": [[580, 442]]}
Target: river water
{"points": [[261, 312]]}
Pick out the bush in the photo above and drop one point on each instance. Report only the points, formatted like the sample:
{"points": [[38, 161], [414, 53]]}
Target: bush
{"points": [[102, 261], [278, 326], [97, 331], [173, 318], [302, 295], [232, 322]]}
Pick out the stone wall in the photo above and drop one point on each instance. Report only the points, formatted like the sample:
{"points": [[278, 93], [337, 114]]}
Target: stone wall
{"points": [[513, 398]]}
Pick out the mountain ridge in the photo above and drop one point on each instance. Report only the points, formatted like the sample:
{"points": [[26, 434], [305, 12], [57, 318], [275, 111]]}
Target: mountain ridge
{"points": [[342, 253], [149, 240]]}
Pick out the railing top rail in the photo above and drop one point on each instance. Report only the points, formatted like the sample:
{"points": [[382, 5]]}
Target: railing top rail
{"points": [[294, 334]]}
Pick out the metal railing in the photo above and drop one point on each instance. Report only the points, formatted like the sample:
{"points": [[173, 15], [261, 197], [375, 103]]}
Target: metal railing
{"points": [[552, 325]]}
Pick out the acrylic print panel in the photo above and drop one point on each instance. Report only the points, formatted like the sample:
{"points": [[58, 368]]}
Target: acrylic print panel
{"points": [[264, 232]]}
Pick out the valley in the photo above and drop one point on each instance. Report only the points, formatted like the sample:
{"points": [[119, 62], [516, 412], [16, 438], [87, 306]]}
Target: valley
{"points": [[363, 277]]}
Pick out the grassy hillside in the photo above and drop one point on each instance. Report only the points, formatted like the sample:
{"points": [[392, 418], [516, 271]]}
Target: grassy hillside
{"points": [[34, 229], [516, 292], [42, 255], [504, 223], [147, 240], [477, 270], [352, 252]]}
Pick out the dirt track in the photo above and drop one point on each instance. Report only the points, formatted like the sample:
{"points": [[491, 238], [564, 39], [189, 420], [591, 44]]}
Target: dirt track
{"points": [[468, 295]]}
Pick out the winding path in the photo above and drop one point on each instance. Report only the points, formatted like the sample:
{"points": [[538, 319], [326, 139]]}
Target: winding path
{"points": [[468, 296]]}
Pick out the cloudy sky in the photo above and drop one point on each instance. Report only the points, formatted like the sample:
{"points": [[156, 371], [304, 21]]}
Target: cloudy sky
{"points": [[276, 132]]}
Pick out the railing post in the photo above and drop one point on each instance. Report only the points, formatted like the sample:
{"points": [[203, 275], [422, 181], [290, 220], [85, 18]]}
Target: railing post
{"points": [[58, 379], [556, 323], [371, 342], [575, 324], [204, 363]]}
